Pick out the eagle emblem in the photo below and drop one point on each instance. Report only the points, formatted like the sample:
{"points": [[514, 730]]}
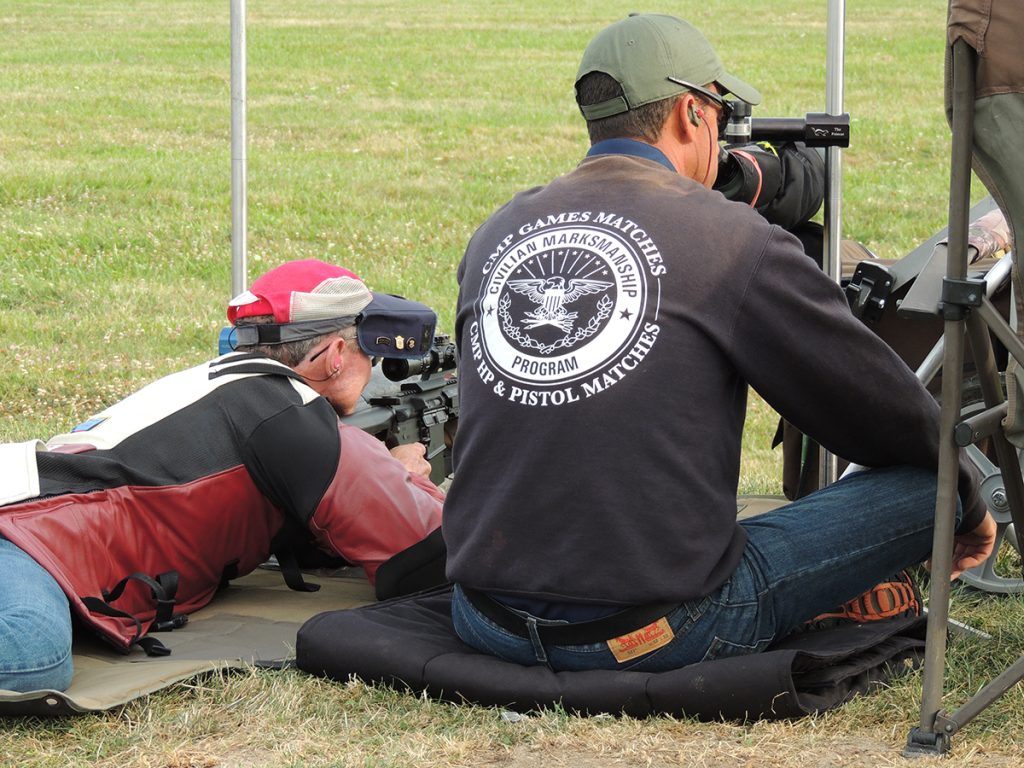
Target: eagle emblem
{"points": [[551, 294]]}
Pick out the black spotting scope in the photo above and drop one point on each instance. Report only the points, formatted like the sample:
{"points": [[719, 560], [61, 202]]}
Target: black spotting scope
{"points": [[816, 129]]}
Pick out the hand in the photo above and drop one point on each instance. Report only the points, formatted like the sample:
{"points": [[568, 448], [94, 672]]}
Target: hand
{"points": [[412, 457], [974, 547]]}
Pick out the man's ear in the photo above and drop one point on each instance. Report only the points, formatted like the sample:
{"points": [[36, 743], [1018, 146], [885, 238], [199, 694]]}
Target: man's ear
{"points": [[689, 117], [337, 356]]}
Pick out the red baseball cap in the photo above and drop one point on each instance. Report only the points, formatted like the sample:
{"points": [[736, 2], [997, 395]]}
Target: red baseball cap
{"points": [[302, 290], [309, 298]]}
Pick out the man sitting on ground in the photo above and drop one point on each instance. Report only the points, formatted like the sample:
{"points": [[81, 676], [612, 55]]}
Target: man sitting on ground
{"points": [[609, 324]]}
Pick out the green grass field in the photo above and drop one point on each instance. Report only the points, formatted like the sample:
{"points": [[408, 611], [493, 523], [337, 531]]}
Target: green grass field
{"points": [[381, 135]]}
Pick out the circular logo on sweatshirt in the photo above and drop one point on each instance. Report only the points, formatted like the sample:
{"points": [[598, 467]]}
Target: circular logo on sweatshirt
{"points": [[565, 305]]}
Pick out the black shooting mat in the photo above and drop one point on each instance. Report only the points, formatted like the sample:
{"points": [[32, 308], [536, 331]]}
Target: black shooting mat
{"points": [[409, 643]]}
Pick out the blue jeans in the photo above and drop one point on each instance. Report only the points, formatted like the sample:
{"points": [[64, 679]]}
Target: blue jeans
{"points": [[801, 560], [35, 625]]}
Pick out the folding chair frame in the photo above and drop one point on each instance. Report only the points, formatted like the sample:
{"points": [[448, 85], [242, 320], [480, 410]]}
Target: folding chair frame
{"points": [[964, 307]]}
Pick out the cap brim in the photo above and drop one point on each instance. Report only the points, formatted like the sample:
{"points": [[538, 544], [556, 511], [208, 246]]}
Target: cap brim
{"points": [[738, 88]]}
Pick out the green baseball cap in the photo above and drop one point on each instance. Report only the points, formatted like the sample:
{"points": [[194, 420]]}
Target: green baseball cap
{"points": [[648, 54]]}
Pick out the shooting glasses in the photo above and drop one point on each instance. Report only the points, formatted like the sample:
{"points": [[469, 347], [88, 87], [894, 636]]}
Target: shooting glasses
{"points": [[723, 105]]}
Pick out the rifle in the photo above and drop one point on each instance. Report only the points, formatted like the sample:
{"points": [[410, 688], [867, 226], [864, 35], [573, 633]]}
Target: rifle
{"points": [[415, 401]]}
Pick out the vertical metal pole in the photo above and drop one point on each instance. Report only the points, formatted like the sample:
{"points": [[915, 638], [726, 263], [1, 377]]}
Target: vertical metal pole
{"points": [[834, 76], [833, 155], [945, 504], [238, 143]]}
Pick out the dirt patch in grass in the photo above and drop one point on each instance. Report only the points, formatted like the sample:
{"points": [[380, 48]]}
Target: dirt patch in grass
{"points": [[704, 750]]}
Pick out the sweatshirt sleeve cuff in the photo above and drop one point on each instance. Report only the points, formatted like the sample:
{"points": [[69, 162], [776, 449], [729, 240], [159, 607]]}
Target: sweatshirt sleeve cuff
{"points": [[974, 513]]}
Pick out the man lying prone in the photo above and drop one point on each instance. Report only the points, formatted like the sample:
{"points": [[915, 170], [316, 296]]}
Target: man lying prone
{"points": [[135, 517]]}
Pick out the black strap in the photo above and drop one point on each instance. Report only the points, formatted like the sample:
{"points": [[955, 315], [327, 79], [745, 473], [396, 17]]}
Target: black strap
{"points": [[283, 547], [150, 645], [96, 605], [579, 633], [229, 572], [283, 333], [162, 588], [153, 647], [292, 573]]}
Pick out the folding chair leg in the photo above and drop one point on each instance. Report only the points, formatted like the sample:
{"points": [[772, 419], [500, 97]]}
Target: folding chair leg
{"points": [[926, 738], [960, 305]]}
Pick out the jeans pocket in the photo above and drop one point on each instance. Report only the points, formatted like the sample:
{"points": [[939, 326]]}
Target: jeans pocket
{"points": [[479, 632], [721, 648], [743, 629]]}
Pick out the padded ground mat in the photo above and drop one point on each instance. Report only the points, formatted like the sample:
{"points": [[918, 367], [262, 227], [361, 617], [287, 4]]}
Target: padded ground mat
{"points": [[409, 643], [749, 506], [253, 621]]}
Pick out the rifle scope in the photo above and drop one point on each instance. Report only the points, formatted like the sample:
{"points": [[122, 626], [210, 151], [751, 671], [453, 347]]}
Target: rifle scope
{"points": [[441, 357]]}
